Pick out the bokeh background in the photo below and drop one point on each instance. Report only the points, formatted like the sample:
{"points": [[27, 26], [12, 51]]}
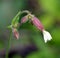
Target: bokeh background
{"points": [[31, 43]]}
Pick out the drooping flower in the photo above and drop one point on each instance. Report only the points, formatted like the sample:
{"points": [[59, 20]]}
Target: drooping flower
{"points": [[39, 25]]}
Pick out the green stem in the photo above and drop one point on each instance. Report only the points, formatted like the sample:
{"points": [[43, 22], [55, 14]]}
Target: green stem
{"points": [[8, 46], [26, 11]]}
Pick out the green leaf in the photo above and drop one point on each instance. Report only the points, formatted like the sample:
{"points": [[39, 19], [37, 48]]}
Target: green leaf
{"points": [[15, 19]]}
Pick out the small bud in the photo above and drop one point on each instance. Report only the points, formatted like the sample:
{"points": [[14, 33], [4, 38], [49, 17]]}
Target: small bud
{"points": [[15, 33], [24, 19], [37, 23], [47, 36]]}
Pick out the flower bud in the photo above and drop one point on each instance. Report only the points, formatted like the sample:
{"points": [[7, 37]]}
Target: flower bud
{"points": [[15, 33], [24, 19]]}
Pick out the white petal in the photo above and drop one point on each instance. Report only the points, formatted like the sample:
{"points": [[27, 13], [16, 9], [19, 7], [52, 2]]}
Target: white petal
{"points": [[47, 36]]}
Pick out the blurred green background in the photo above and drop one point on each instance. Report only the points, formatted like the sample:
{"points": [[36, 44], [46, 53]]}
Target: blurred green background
{"points": [[31, 43]]}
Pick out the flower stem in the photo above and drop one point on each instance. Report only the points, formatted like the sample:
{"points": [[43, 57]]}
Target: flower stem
{"points": [[26, 11], [8, 45]]}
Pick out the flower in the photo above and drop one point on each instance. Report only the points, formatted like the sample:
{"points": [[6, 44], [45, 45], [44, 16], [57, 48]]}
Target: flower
{"points": [[15, 33], [39, 25]]}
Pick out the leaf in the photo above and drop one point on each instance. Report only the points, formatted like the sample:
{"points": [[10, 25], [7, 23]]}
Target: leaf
{"points": [[15, 19]]}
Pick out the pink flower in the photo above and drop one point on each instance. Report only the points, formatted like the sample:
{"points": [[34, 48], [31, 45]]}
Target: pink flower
{"points": [[39, 25], [15, 33]]}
